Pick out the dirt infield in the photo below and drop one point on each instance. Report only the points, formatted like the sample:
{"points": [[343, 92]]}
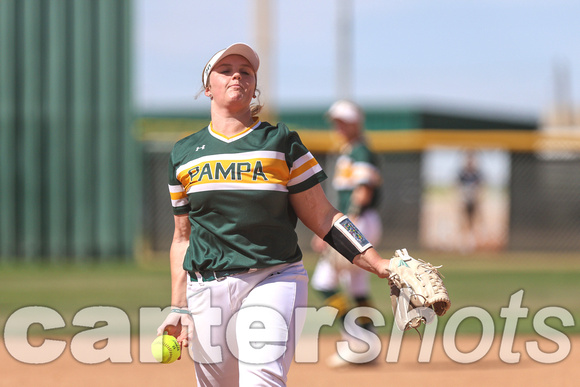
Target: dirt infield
{"points": [[440, 371]]}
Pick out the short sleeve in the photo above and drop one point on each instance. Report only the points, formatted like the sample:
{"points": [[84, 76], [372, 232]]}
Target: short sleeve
{"points": [[361, 153], [364, 169], [305, 172], [179, 199]]}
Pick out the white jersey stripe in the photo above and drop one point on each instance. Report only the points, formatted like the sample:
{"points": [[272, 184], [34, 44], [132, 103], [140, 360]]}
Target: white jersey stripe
{"points": [[176, 188], [304, 176], [236, 186], [307, 157], [180, 202]]}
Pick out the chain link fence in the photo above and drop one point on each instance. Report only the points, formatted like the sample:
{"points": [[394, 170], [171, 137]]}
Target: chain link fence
{"points": [[542, 209]]}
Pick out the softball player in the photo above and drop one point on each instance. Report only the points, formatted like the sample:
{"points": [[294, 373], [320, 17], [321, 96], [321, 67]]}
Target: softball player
{"points": [[470, 181], [356, 180], [237, 188]]}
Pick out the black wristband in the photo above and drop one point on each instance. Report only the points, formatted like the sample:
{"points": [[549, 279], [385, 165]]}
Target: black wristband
{"points": [[345, 238]]}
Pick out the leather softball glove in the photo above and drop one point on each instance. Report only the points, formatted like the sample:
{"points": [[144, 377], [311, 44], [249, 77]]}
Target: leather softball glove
{"points": [[417, 290]]}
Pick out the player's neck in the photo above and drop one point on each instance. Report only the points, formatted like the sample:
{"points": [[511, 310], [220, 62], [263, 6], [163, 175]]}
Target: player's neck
{"points": [[229, 124]]}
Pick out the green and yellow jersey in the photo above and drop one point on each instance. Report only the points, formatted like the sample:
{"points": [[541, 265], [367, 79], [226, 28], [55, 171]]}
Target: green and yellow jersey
{"points": [[235, 191], [355, 166]]}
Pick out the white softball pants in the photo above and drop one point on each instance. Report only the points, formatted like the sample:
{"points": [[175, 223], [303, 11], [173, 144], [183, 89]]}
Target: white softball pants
{"points": [[246, 328]]}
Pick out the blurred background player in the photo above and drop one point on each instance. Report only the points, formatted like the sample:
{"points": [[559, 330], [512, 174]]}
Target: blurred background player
{"points": [[356, 180], [470, 184]]}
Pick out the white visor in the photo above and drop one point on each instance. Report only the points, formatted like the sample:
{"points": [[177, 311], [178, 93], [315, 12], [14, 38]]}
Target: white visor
{"points": [[345, 111], [235, 49]]}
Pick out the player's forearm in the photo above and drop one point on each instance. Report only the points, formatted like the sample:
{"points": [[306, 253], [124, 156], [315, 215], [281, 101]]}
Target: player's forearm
{"points": [[370, 260], [177, 251], [314, 210], [178, 275]]}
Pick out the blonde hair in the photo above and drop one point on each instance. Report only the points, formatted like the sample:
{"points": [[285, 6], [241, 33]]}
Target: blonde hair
{"points": [[256, 108]]}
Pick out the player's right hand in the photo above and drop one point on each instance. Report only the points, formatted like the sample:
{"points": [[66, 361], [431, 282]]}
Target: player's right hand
{"points": [[178, 325]]}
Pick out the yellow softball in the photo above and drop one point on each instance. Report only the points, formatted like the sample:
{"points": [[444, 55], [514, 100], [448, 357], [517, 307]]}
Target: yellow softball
{"points": [[165, 349]]}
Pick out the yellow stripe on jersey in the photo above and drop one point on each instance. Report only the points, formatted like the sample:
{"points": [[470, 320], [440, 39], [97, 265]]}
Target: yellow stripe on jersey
{"points": [[178, 195], [303, 168], [251, 170], [349, 175], [365, 173]]}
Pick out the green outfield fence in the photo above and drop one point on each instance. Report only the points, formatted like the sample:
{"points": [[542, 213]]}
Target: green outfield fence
{"points": [[70, 165]]}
